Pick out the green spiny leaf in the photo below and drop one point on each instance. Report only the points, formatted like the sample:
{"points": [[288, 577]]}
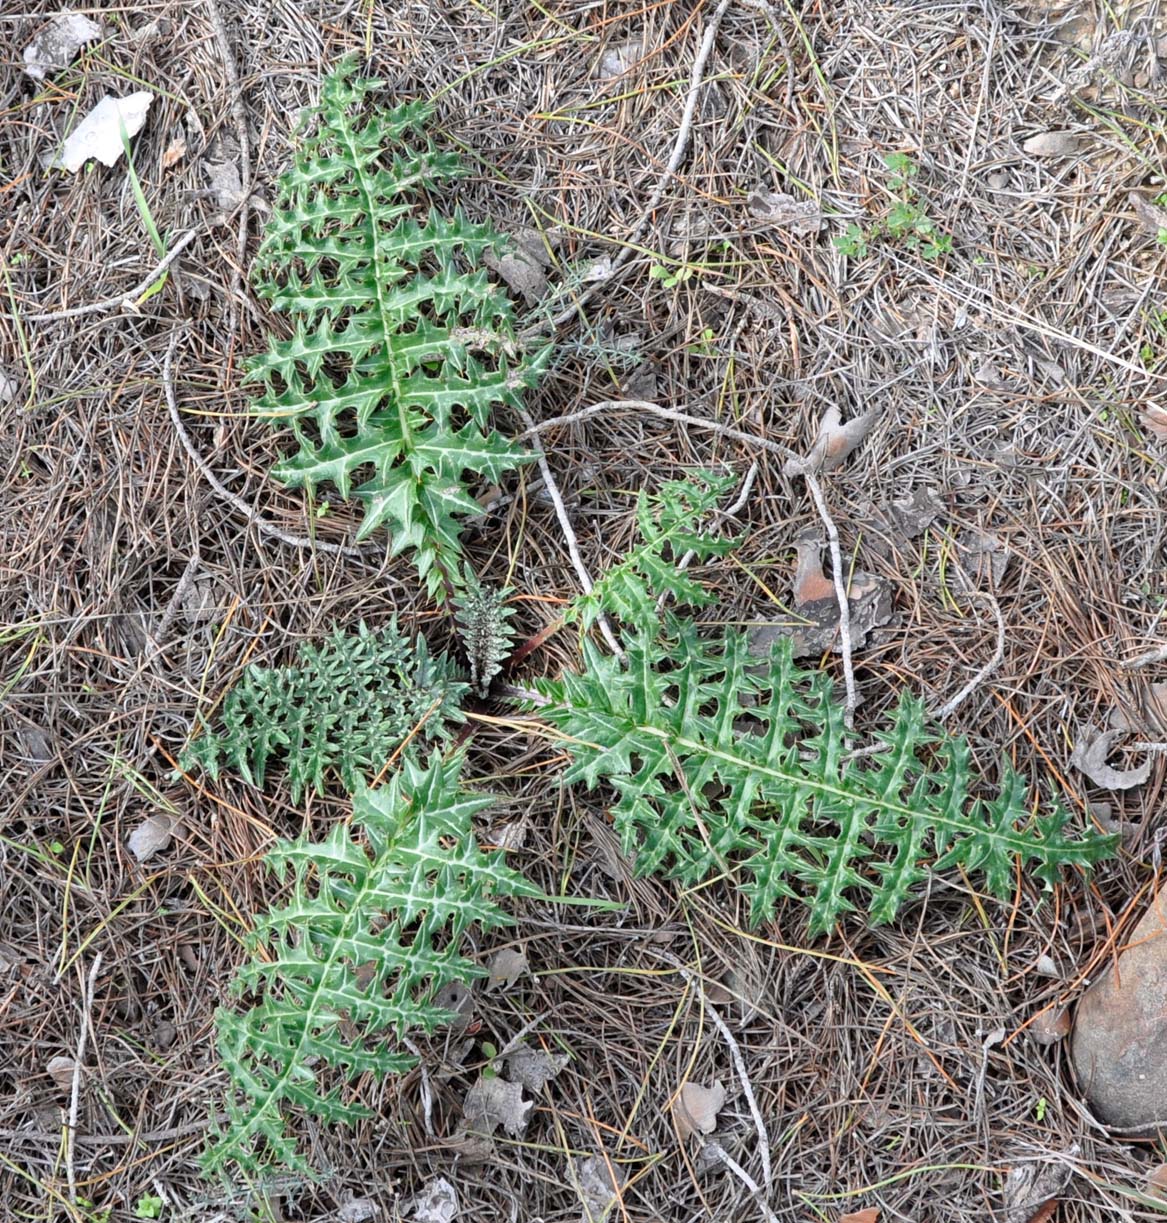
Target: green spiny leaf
{"points": [[722, 764], [482, 619], [370, 933], [401, 346], [670, 526], [344, 704]]}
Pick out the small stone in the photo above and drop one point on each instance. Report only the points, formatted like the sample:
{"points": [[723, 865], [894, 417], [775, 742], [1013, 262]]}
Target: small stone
{"points": [[1120, 1030]]}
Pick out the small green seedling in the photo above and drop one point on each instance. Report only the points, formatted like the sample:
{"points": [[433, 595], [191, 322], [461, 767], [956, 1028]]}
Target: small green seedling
{"points": [[149, 1207], [670, 277], [906, 222]]}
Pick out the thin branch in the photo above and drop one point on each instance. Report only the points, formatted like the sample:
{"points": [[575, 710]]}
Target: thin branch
{"points": [[696, 80], [739, 1066], [261, 524], [1159, 654], [124, 301], [239, 116], [750, 439], [653, 409], [946, 710], [78, 1063], [585, 578], [841, 596]]}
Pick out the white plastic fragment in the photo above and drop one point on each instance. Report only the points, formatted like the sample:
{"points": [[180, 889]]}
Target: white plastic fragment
{"points": [[99, 134], [56, 45]]}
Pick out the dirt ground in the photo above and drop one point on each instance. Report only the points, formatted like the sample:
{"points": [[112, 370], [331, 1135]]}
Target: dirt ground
{"points": [[1013, 377]]}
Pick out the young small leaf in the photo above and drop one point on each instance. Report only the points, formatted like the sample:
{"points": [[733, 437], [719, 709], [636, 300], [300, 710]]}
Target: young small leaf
{"points": [[345, 704]]}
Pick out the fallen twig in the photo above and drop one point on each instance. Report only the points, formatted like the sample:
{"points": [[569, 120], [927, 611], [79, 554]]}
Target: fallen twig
{"points": [[123, 301], [261, 524], [696, 79]]}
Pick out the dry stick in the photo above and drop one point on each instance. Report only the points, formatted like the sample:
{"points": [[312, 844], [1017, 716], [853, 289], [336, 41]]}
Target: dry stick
{"points": [[740, 1066], [949, 707], [124, 301], [679, 146], [1159, 654], [184, 584], [75, 1097], [581, 570], [820, 504], [240, 118], [261, 524], [750, 439]]}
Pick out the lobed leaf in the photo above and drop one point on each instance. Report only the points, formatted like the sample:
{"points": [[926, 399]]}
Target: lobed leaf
{"points": [[354, 959]]}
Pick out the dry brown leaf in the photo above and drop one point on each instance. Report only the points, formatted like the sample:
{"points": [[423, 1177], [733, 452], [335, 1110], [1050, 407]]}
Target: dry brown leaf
{"points": [[695, 1108], [836, 439], [1153, 418], [175, 151], [815, 629], [506, 967], [60, 1070], [1048, 1027], [1152, 219], [599, 1183], [1031, 1187], [800, 217], [532, 1068], [494, 1102], [870, 1215], [153, 835], [1089, 756], [1157, 1181], [1052, 144]]}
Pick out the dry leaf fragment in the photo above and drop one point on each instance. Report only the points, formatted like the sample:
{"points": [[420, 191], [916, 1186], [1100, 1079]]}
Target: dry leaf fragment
{"points": [[816, 628], [523, 265], [1157, 1181], [152, 836], [506, 967], [99, 134], [1089, 756], [1152, 219], [800, 217], [695, 1109], [494, 1102], [458, 1000], [175, 151], [56, 45], [870, 1215], [1031, 1186], [436, 1203], [1052, 144], [61, 1070], [226, 187], [835, 441], [532, 1068], [599, 1182], [619, 59], [1048, 1027], [1153, 418]]}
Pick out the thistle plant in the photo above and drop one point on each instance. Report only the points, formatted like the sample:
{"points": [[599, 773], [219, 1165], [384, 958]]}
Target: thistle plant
{"points": [[344, 705], [400, 346], [482, 618], [729, 765], [353, 961]]}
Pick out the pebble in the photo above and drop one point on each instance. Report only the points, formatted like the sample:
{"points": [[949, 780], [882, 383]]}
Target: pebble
{"points": [[1120, 1030]]}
